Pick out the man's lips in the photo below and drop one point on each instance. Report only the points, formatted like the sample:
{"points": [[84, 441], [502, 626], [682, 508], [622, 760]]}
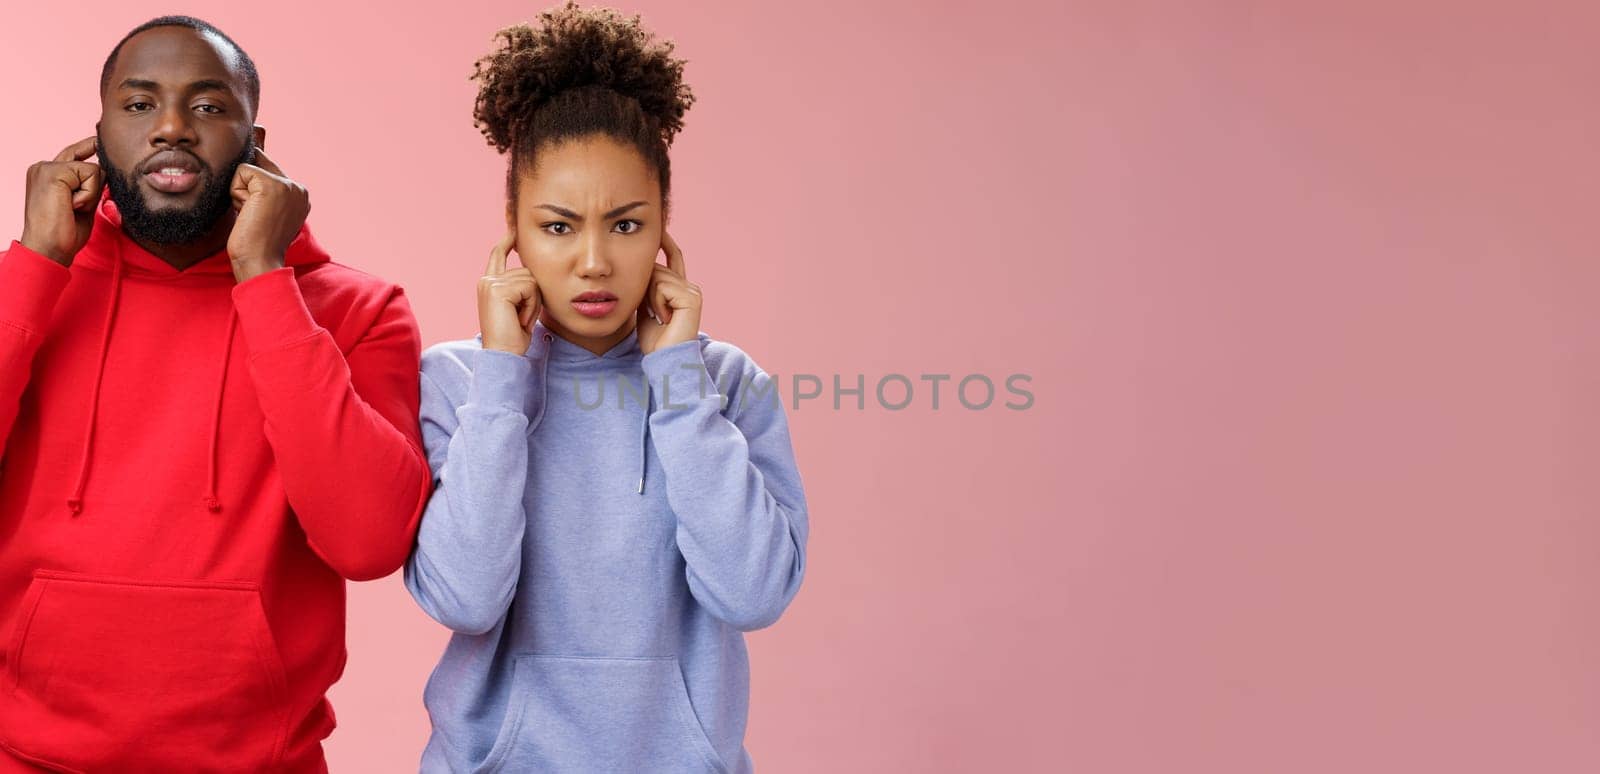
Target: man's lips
{"points": [[172, 172], [172, 182]]}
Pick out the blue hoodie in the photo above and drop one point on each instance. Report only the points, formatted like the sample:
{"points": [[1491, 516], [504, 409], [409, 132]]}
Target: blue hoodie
{"points": [[602, 531]]}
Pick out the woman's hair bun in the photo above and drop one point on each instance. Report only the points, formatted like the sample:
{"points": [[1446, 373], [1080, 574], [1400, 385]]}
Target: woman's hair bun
{"points": [[572, 48]]}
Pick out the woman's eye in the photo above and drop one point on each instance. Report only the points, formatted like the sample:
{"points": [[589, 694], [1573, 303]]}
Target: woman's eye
{"points": [[628, 226], [557, 228]]}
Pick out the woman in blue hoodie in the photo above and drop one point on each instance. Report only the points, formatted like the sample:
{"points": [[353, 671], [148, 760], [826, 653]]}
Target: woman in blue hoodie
{"points": [[616, 499]]}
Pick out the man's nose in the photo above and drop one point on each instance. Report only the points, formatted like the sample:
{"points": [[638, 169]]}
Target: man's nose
{"points": [[174, 127]]}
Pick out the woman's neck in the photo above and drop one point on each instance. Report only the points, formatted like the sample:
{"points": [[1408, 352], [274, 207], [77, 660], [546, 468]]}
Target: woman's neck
{"points": [[598, 345]]}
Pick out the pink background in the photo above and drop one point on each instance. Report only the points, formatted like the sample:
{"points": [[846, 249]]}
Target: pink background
{"points": [[1306, 296]]}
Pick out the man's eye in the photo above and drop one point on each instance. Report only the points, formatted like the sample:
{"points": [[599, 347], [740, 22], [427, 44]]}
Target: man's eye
{"points": [[212, 109], [140, 106], [557, 228]]}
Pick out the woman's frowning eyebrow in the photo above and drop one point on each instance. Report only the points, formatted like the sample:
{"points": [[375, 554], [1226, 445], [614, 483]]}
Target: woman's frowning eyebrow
{"points": [[569, 214]]}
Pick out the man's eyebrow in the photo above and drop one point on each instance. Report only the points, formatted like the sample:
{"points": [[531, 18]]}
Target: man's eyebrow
{"points": [[207, 84]]}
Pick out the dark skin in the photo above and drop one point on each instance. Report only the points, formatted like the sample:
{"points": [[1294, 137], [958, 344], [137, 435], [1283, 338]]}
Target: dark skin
{"points": [[171, 90]]}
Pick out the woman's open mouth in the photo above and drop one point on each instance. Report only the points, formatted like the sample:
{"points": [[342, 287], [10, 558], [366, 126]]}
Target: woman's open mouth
{"points": [[595, 303]]}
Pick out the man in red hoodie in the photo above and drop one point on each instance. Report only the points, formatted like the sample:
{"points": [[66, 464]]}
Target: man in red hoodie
{"points": [[205, 428]]}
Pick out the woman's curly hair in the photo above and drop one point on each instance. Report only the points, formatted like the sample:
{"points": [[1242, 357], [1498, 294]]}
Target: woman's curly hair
{"points": [[577, 73]]}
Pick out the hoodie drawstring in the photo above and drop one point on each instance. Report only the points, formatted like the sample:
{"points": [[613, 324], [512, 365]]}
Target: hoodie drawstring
{"points": [[75, 500], [644, 436], [210, 499]]}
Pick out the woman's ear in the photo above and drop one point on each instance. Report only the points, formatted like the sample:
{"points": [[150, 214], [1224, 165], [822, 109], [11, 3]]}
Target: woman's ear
{"points": [[511, 216]]}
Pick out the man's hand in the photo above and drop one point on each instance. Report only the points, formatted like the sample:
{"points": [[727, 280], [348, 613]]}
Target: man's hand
{"points": [[60, 203], [271, 210]]}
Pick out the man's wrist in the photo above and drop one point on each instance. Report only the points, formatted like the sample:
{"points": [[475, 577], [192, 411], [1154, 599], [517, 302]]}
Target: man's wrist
{"points": [[250, 268], [37, 247]]}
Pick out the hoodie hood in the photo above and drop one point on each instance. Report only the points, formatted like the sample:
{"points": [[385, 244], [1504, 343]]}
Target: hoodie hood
{"points": [[624, 357], [108, 242], [111, 249]]}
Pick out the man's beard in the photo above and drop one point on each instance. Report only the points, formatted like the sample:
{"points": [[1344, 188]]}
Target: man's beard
{"points": [[169, 226]]}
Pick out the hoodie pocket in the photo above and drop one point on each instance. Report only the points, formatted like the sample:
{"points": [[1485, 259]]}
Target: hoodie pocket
{"points": [[577, 714], [133, 675]]}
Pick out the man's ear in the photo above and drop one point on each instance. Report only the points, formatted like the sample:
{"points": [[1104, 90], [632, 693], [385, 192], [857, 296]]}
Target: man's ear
{"points": [[260, 133]]}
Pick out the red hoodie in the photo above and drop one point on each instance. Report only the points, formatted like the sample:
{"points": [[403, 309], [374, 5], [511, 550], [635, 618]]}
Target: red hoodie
{"points": [[191, 469]]}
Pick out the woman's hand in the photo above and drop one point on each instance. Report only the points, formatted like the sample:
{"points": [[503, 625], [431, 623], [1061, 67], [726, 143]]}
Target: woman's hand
{"points": [[670, 313], [508, 302]]}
